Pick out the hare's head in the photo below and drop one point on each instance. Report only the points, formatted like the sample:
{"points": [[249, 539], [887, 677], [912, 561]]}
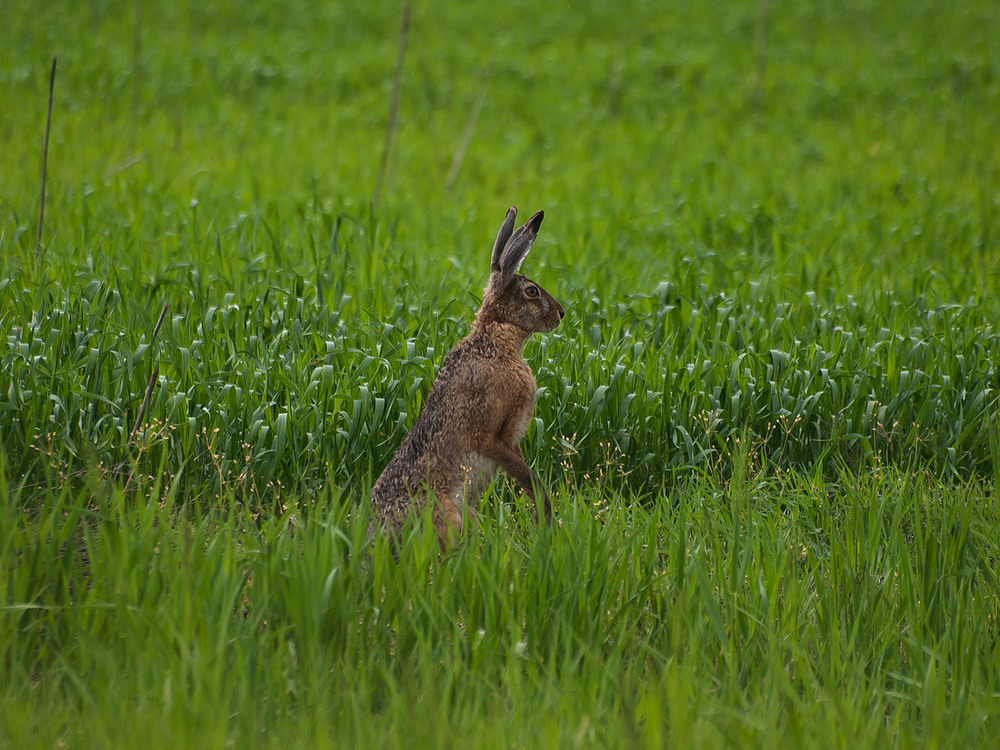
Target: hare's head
{"points": [[510, 297]]}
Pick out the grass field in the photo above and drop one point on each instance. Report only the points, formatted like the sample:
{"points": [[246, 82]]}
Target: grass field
{"points": [[769, 419]]}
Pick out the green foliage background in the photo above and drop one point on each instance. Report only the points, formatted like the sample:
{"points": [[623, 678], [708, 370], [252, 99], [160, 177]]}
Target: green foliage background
{"points": [[770, 414]]}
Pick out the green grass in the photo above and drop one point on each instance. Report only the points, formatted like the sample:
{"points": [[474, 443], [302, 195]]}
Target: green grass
{"points": [[770, 416], [858, 614]]}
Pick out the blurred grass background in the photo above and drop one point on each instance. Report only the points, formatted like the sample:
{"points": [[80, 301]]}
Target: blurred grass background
{"points": [[793, 210]]}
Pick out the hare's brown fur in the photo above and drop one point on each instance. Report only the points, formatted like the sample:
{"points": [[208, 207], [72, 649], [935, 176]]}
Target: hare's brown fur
{"points": [[480, 406]]}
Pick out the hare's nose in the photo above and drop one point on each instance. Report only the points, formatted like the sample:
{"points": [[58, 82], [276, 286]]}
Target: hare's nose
{"points": [[559, 309]]}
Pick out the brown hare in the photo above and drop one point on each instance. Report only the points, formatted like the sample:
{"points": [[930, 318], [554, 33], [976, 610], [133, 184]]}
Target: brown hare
{"points": [[480, 405]]}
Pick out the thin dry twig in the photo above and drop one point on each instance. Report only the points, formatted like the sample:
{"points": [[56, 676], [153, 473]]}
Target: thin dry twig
{"points": [[390, 126], [463, 146], [45, 162], [763, 24], [136, 75]]}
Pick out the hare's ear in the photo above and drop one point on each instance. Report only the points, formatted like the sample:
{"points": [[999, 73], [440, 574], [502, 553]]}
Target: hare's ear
{"points": [[506, 230], [514, 251]]}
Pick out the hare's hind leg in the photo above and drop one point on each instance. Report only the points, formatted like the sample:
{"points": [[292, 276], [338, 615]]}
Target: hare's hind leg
{"points": [[448, 520]]}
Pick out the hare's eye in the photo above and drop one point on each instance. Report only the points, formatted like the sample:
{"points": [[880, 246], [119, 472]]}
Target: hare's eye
{"points": [[531, 291]]}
